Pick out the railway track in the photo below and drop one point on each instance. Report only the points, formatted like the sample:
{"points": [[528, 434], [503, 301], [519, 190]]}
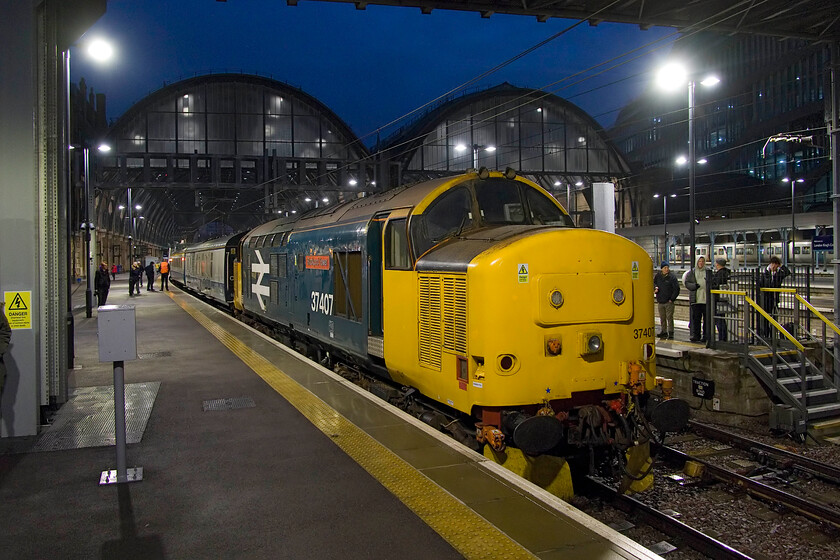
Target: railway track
{"points": [[732, 498], [661, 521]]}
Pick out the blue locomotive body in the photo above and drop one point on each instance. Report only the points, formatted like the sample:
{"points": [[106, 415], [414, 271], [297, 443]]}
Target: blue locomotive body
{"points": [[310, 280]]}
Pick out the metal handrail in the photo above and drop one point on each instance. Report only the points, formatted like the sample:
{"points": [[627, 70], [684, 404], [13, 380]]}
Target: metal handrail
{"points": [[819, 315]]}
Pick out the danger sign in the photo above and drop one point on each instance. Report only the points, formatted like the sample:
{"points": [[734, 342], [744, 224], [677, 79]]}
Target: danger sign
{"points": [[523, 273], [19, 309]]}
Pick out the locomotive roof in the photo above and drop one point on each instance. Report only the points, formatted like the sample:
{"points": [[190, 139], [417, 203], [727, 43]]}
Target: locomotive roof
{"points": [[360, 208]]}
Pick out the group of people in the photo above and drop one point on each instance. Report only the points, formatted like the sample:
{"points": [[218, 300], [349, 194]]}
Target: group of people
{"points": [[102, 279], [699, 280]]}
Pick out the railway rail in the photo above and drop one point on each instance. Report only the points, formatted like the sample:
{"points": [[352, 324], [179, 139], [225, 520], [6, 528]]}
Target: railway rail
{"points": [[780, 457], [696, 540], [813, 510]]}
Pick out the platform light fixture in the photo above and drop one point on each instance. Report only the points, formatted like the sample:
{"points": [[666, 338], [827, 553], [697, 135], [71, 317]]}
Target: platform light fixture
{"points": [[100, 50], [672, 77]]}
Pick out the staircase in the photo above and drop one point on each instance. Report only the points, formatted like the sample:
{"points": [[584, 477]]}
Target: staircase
{"points": [[781, 373], [804, 393]]}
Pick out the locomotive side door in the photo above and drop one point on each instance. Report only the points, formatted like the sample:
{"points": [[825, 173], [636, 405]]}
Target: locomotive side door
{"points": [[374, 273]]}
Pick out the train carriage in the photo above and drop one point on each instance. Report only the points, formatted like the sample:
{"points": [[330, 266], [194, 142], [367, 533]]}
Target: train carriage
{"points": [[208, 268]]}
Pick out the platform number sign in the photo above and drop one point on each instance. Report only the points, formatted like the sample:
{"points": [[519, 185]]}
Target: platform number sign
{"points": [[634, 270], [523, 273]]}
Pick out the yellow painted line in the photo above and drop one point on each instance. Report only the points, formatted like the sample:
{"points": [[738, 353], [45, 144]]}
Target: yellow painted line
{"points": [[469, 533]]}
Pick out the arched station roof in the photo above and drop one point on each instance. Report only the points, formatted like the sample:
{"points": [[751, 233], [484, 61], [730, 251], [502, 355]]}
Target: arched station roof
{"points": [[225, 152], [544, 137]]}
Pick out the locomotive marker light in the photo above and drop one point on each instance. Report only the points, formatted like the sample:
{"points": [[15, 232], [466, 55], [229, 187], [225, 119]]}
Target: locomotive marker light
{"points": [[671, 77], [618, 296]]}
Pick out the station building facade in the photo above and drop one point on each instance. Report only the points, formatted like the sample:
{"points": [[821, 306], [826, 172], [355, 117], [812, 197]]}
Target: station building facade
{"points": [[761, 140]]}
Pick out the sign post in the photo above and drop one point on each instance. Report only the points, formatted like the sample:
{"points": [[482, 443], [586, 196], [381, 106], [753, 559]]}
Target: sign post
{"points": [[118, 343]]}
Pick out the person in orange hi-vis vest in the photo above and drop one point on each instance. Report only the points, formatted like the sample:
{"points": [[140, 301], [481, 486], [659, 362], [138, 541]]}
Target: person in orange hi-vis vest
{"points": [[164, 275]]}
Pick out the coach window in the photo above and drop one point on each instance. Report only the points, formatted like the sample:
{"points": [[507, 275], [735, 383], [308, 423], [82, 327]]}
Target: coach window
{"points": [[450, 214], [396, 246]]}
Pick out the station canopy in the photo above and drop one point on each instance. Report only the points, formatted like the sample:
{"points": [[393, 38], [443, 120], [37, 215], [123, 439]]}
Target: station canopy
{"points": [[815, 20], [221, 153]]}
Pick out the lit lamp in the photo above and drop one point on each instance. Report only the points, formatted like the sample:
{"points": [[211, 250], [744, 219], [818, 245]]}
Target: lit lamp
{"points": [[476, 148], [672, 77]]}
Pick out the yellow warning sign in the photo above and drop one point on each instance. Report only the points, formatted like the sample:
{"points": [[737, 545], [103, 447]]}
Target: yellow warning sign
{"points": [[19, 309], [523, 274], [634, 271]]}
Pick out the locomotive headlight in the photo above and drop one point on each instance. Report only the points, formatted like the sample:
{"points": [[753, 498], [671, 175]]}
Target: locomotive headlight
{"points": [[618, 296], [591, 343], [556, 298]]}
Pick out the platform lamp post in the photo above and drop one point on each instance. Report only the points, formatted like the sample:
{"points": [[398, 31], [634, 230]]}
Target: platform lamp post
{"points": [[100, 51], [476, 149], [665, 220], [671, 77]]}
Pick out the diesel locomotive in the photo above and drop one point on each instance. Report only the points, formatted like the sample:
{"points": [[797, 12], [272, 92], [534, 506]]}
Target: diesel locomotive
{"points": [[475, 291]]}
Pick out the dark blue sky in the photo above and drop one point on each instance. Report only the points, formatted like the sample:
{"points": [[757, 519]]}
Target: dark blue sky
{"points": [[369, 66]]}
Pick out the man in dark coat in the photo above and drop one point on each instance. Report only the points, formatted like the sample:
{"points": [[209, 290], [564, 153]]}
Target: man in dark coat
{"points": [[698, 282], [771, 277], [720, 279], [150, 276], [666, 288], [101, 284]]}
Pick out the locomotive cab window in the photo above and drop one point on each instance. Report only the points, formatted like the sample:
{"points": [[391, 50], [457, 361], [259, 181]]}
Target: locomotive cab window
{"points": [[544, 211], [396, 246], [506, 202], [449, 215]]}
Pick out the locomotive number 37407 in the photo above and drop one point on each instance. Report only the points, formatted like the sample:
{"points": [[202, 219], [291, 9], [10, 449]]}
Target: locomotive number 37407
{"points": [[322, 303]]}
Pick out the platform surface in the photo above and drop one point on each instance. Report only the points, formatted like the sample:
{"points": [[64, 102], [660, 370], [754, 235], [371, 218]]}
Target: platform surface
{"points": [[251, 452]]}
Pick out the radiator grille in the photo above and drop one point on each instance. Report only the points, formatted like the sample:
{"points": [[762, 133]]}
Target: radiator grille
{"points": [[443, 317], [455, 314], [429, 339]]}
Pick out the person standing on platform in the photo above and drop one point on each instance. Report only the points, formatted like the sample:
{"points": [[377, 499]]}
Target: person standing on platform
{"points": [[164, 275], [101, 284], [698, 282], [150, 276], [138, 281], [113, 271], [132, 278], [5, 338], [720, 278], [771, 277], [666, 288]]}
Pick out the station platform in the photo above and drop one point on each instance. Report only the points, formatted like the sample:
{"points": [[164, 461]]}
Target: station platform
{"points": [[250, 451]]}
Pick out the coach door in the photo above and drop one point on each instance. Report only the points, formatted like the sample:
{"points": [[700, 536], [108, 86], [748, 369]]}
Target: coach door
{"points": [[374, 273]]}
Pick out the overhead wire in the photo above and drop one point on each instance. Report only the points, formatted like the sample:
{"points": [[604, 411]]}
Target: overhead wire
{"points": [[707, 23]]}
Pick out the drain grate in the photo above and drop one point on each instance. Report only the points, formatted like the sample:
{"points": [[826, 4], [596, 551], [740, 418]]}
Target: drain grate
{"points": [[153, 355], [228, 404]]}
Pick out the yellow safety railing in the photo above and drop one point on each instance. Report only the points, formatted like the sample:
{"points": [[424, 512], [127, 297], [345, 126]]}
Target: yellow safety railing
{"points": [[773, 321], [821, 317], [763, 313]]}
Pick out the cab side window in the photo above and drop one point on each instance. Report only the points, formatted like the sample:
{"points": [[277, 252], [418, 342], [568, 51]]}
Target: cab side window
{"points": [[396, 246]]}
